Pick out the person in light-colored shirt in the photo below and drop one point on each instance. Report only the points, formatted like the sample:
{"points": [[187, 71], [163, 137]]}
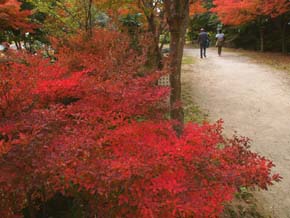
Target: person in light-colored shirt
{"points": [[220, 38]]}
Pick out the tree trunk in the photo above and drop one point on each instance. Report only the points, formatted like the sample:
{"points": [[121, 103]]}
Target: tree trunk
{"points": [[88, 17], [176, 50], [283, 37], [18, 45], [283, 41], [154, 54], [177, 17], [261, 39], [32, 212], [281, 22]]}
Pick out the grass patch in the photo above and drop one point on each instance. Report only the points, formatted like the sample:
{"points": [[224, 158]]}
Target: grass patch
{"points": [[243, 206], [192, 112], [278, 61]]}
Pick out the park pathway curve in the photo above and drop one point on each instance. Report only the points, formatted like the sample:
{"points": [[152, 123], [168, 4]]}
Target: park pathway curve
{"points": [[254, 100]]}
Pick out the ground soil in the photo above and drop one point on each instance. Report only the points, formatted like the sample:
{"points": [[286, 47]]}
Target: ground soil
{"points": [[253, 99]]}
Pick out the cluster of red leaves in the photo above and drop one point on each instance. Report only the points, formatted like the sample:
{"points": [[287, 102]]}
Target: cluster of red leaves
{"points": [[100, 131], [236, 12], [11, 17], [197, 7]]}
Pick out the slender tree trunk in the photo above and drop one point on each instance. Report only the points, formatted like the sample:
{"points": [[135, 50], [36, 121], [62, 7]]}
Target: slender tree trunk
{"points": [[88, 16], [154, 56], [18, 44], [262, 39], [154, 53], [90, 20], [32, 213], [283, 37], [260, 25], [43, 193], [283, 34], [176, 50], [177, 18], [281, 23]]}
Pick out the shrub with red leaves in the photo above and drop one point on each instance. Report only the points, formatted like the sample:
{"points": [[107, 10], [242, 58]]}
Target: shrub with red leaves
{"points": [[99, 134]]}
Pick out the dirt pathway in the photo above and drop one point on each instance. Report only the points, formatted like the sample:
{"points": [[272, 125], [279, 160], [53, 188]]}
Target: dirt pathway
{"points": [[254, 100]]}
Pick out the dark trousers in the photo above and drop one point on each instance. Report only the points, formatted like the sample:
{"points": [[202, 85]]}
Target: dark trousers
{"points": [[220, 50], [202, 50]]}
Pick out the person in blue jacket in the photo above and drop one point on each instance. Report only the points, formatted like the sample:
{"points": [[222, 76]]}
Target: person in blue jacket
{"points": [[203, 41]]}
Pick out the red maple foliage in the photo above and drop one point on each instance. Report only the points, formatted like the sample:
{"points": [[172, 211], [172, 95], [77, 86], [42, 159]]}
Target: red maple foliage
{"points": [[236, 12], [11, 17], [99, 133], [196, 7]]}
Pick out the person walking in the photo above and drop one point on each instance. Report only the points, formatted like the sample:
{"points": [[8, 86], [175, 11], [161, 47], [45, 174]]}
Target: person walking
{"points": [[203, 41], [220, 38]]}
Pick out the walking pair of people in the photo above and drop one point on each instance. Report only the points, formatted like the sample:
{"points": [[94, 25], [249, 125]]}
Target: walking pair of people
{"points": [[203, 41]]}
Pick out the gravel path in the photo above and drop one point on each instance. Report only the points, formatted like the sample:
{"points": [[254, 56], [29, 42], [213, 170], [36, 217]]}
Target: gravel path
{"points": [[254, 100]]}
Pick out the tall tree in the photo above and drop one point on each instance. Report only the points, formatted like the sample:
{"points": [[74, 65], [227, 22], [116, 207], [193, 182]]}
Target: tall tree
{"points": [[155, 18], [154, 14], [177, 13]]}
